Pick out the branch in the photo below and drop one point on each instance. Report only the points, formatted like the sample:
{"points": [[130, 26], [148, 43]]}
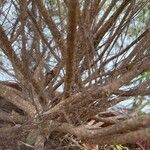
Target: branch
{"points": [[106, 26], [17, 64], [38, 29], [7, 49], [14, 97], [118, 133], [52, 26], [14, 117], [70, 53], [130, 137], [39, 143]]}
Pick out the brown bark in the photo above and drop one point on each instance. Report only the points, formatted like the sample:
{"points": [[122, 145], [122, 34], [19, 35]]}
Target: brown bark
{"points": [[87, 50]]}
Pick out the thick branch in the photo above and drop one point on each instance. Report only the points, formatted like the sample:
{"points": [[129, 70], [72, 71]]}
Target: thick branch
{"points": [[14, 97], [70, 53]]}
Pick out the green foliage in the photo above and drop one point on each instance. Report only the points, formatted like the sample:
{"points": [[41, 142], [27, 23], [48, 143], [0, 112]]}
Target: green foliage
{"points": [[142, 77], [52, 2], [118, 147]]}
